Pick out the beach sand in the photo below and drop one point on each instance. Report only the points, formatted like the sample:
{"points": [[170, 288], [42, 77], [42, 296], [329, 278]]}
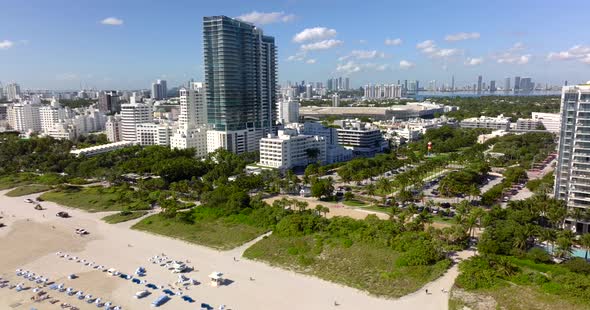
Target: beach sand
{"points": [[32, 237]]}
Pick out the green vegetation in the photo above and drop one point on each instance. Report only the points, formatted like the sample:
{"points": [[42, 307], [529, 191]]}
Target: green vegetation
{"points": [[464, 181], [123, 216], [76, 103], [543, 185], [228, 218], [98, 198], [384, 257], [510, 263], [522, 149], [514, 106], [27, 190], [353, 203]]}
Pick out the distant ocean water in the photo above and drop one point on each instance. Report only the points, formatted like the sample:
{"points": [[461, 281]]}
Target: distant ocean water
{"points": [[426, 94]]}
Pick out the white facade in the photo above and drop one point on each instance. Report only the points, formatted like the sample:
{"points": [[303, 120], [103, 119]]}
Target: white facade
{"points": [[153, 134], [362, 139], [499, 122], [551, 121], [61, 131], [24, 116], [113, 128], [133, 114], [100, 149], [192, 120], [383, 91], [51, 115], [335, 100], [572, 173], [12, 91], [288, 111], [287, 150]]}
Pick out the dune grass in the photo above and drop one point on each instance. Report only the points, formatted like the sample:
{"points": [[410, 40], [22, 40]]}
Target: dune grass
{"points": [[123, 216], [218, 234], [354, 203], [96, 198], [363, 266], [27, 190]]}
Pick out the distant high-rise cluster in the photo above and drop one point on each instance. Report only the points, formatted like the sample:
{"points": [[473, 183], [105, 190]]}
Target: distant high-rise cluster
{"points": [[336, 84], [12, 92], [159, 90], [383, 91]]}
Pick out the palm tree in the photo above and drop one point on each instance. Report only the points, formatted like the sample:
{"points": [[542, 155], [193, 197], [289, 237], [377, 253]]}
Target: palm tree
{"points": [[520, 240], [564, 247], [549, 235], [585, 243], [576, 214], [370, 189]]}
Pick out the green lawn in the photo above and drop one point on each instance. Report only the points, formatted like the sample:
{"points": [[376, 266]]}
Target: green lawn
{"points": [[27, 189], [123, 217], [96, 199], [218, 234], [366, 267], [10, 181]]}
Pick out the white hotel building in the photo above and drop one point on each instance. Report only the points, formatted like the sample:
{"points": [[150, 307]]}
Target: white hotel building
{"points": [[288, 150]]}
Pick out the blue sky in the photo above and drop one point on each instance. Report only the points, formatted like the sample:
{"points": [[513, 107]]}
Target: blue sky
{"points": [[59, 44]]}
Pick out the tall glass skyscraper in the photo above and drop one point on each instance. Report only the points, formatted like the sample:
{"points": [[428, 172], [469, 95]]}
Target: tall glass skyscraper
{"points": [[240, 82]]}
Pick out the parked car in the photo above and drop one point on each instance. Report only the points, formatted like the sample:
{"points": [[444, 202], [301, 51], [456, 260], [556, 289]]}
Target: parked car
{"points": [[62, 214], [28, 200]]}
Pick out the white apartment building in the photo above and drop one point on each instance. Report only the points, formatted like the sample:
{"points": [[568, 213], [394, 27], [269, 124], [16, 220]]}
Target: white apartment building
{"points": [[61, 130], [499, 122], [551, 121], [572, 173], [335, 153], [527, 124], [113, 128], [24, 116], [288, 111], [133, 114], [383, 91], [362, 139], [335, 100], [287, 150], [153, 134], [192, 120], [51, 115]]}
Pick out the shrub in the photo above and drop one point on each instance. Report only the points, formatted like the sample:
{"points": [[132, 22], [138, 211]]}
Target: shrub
{"points": [[578, 265], [538, 255], [420, 254]]}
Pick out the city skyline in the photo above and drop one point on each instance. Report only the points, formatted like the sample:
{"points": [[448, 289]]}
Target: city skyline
{"points": [[107, 48]]}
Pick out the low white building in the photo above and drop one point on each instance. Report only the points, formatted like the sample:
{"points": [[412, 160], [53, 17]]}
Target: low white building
{"points": [[551, 121], [363, 139], [500, 122], [61, 130], [100, 149], [287, 150], [153, 134]]}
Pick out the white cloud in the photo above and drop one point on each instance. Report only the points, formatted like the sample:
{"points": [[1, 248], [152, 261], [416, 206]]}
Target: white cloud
{"points": [[261, 18], [6, 44], [425, 44], [474, 61], [446, 52], [515, 59], [462, 36], [310, 61], [404, 64], [316, 33], [429, 48], [362, 41], [518, 46], [321, 45], [349, 67], [359, 54], [394, 42], [576, 52], [112, 21]]}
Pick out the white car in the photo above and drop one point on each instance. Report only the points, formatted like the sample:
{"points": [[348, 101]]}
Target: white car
{"points": [[29, 200]]}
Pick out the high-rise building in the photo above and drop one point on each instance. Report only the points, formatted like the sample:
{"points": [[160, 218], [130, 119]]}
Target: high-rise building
{"points": [[192, 121], [330, 84], [336, 100], [159, 90], [51, 115], [240, 80], [347, 84], [308, 91], [24, 116], [526, 84], [492, 85], [113, 128], [479, 81], [108, 102], [572, 173], [12, 91], [288, 111], [507, 84], [516, 83], [133, 114], [453, 83]]}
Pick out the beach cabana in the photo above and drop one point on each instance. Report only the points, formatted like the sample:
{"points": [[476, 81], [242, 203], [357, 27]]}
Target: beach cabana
{"points": [[216, 278]]}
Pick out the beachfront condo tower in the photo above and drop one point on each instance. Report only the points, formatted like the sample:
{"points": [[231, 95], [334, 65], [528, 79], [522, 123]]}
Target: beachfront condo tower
{"points": [[572, 174], [240, 84]]}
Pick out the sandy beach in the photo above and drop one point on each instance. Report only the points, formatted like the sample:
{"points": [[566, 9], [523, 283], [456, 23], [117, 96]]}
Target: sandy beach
{"points": [[31, 239]]}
